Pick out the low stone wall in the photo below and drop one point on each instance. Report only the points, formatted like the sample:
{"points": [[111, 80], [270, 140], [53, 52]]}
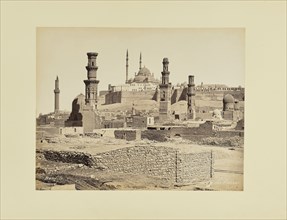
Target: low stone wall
{"points": [[190, 133], [194, 167], [166, 163], [129, 135], [150, 161], [163, 162], [225, 134]]}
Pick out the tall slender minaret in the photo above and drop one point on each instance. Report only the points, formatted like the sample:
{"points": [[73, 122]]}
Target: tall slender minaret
{"points": [[165, 93], [57, 95], [190, 94], [127, 67], [140, 61], [92, 82]]}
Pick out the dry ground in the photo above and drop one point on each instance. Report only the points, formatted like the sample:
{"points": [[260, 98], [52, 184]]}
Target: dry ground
{"points": [[228, 168]]}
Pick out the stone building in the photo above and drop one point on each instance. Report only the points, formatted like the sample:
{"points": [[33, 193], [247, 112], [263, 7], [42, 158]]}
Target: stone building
{"points": [[140, 87], [190, 97], [231, 108], [84, 108], [56, 118], [165, 93], [57, 96]]}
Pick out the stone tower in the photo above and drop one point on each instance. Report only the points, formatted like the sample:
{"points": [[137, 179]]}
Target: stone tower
{"points": [[190, 94], [140, 61], [57, 95], [91, 83], [165, 93], [127, 67]]}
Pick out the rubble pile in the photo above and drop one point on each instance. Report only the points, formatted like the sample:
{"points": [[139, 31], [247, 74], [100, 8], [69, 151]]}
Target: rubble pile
{"points": [[69, 157]]}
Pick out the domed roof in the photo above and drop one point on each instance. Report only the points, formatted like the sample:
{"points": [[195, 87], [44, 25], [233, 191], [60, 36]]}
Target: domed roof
{"points": [[144, 71], [228, 99]]}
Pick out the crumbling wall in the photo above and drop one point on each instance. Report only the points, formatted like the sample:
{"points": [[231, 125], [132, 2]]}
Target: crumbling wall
{"points": [[203, 129], [155, 135], [225, 134], [162, 162], [68, 157], [129, 135], [240, 125]]}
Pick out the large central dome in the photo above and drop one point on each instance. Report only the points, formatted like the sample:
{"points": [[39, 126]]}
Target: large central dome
{"points": [[144, 72], [144, 76]]}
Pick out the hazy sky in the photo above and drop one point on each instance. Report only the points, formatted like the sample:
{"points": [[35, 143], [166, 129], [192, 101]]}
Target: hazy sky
{"points": [[211, 55]]}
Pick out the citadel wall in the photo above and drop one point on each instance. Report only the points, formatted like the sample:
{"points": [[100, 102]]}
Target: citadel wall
{"points": [[128, 96]]}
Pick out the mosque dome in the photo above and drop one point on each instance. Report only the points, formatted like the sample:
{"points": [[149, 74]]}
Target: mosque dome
{"points": [[144, 76], [144, 71], [228, 99]]}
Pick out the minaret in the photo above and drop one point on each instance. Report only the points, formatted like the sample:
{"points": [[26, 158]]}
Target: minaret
{"points": [[165, 93], [140, 61], [190, 94], [57, 95], [92, 82], [127, 67]]}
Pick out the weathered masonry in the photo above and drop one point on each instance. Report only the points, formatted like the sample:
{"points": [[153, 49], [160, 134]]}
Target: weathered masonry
{"points": [[171, 164]]}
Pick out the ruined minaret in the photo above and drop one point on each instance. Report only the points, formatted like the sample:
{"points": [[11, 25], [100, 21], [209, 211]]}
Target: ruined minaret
{"points": [[127, 67], [165, 92], [140, 61], [91, 83], [57, 95], [190, 94]]}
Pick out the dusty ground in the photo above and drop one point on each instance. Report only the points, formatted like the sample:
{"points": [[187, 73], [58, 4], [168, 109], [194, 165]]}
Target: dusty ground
{"points": [[228, 168]]}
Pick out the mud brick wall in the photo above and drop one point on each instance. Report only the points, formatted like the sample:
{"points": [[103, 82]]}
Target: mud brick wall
{"points": [[203, 129], [146, 160], [156, 135], [224, 134], [240, 125], [194, 167], [128, 135]]}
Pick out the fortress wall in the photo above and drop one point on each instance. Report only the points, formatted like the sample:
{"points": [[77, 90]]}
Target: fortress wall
{"points": [[128, 96], [113, 97]]}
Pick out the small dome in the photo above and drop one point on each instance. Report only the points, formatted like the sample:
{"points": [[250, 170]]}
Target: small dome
{"points": [[228, 99]]}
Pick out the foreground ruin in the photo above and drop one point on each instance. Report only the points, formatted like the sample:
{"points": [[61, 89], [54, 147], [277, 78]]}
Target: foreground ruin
{"points": [[102, 163]]}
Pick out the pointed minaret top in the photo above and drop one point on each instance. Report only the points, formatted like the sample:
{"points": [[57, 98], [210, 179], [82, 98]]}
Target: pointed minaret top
{"points": [[127, 52], [57, 78]]}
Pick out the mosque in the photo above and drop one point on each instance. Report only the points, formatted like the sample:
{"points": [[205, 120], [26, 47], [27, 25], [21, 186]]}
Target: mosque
{"points": [[141, 87], [200, 101]]}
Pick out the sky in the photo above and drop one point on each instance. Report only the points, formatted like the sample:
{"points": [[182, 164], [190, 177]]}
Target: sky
{"points": [[213, 56]]}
